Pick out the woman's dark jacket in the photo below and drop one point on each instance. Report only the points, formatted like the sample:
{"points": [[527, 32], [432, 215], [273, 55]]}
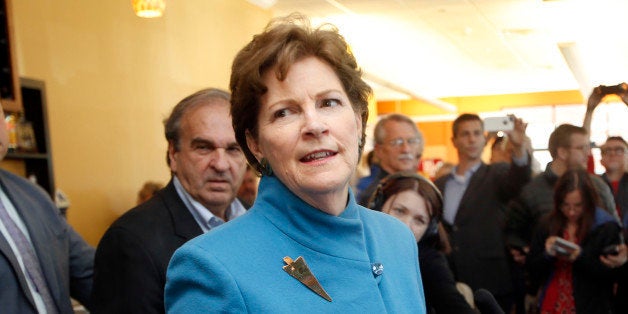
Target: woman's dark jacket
{"points": [[592, 281], [441, 294]]}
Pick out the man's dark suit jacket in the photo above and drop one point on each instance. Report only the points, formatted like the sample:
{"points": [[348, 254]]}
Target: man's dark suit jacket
{"points": [[479, 257], [133, 255], [65, 258]]}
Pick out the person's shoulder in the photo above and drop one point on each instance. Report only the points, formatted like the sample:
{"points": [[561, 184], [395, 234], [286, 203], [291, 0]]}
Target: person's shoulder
{"points": [[149, 219], [502, 165], [429, 254], [142, 212], [603, 217], [535, 184], [27, 194], [442, 180], [13, 181], [233, 233], [598, 181]]}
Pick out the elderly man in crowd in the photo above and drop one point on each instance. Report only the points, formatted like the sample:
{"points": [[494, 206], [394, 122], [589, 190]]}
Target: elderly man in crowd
{"points": [[207, 166]]}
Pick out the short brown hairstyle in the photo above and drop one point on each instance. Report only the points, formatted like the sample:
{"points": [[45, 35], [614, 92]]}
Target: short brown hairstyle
{"points": [[284, 42], [616, 138], [561, 137], [464, 118]]}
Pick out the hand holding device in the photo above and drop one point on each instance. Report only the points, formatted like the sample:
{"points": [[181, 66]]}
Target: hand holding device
{"points": [[612, 249], [564, 248], [614, 256], [612, 89], [495, 124]]}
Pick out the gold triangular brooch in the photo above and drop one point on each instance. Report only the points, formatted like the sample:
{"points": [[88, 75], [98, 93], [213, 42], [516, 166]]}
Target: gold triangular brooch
{"points": [[299, 270]]}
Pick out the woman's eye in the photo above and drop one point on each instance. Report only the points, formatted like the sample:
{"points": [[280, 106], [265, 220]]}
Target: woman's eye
{"points": [[399, 210], [280, 113], [331, 103]]}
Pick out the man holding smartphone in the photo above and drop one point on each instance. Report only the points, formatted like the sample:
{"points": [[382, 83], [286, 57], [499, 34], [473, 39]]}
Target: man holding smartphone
{"points": [[474, 197]]}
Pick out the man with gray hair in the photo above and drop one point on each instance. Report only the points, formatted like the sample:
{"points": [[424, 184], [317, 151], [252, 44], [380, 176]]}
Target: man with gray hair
{"points": [[207, 167], [398, 147]]}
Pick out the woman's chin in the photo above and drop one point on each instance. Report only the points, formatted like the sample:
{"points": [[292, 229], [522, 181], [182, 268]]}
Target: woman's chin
{"points": [[319, 185]]}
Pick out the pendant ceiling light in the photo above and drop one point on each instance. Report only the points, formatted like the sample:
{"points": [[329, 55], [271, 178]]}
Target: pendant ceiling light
{"points": [[149, 8]]}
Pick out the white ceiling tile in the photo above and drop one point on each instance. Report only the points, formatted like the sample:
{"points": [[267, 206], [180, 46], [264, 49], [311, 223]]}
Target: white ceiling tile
{"points": [[444, 48]]}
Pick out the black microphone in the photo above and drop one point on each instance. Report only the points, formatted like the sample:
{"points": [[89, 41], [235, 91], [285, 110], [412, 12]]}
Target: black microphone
{"points": [[486, 303]]}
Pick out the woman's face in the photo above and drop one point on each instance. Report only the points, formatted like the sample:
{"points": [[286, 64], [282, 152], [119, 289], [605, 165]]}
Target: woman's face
{"points": [[411, 208], [308, 132], [572, 206]]}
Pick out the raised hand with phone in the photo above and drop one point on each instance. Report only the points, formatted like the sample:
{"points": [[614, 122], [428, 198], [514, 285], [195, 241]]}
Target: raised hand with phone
{"points": [[596, 97], [512, 126]]}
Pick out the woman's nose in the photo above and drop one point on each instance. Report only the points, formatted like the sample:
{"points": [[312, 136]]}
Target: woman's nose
{"points": [[314, 123]]}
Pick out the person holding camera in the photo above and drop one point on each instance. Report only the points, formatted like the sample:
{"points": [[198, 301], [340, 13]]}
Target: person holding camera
{"points": [[475, 195], [598, 93], [566, 250]]}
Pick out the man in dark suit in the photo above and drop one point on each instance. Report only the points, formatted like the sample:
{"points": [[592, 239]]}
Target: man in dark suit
{"points": [[43, 261], [207, 168], [475, 195]]}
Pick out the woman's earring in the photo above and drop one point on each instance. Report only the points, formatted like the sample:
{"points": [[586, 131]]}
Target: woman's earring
{"points": [[267, 170]]}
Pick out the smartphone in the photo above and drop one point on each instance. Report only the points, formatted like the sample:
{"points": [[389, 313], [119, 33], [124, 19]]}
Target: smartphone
{"points": [[494, 124], [564, 247], [610, 250], [613, 89]]}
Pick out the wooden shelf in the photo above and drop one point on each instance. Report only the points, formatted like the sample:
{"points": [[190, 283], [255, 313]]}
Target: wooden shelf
{"points": [[11, 155]]}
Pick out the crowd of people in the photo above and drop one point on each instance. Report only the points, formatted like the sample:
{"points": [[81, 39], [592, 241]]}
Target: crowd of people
{"points": [[483, 237]]}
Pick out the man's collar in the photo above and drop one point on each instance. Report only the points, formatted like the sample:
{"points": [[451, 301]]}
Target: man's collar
{"points": [[203, 215]]}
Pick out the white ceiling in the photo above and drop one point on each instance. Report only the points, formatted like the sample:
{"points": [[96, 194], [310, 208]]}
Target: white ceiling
{"points": [[442, 48]]}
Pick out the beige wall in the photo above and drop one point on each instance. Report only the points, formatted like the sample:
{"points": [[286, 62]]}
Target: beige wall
{"points": [[111, 78]]}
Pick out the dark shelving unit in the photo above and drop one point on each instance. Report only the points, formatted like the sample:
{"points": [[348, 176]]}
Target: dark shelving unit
{"points": [[36, 164]]}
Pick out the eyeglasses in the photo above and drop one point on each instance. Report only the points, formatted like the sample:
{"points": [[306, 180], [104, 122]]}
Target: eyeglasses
{"points": [[398, 142], [613, 150]]}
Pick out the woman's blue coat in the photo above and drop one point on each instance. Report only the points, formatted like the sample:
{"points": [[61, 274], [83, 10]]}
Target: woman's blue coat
{"points": [[237, 267]]}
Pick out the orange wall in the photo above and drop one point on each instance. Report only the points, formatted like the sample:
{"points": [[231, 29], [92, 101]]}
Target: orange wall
{"points": [[477, 104], [438, 133], [111, 79]]}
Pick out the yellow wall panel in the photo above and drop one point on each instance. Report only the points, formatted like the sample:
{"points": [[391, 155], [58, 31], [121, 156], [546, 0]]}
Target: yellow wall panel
{"points": [[111, 79]]}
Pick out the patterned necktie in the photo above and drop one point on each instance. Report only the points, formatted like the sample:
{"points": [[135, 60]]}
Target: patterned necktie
{"points": [[33, 269]]}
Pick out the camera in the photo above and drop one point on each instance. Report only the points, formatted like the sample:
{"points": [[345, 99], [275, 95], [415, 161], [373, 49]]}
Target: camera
{"points": [[495, 124], [612, 89]]}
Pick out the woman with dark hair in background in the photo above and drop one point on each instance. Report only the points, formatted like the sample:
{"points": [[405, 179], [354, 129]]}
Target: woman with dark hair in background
{"points": [[572, 277], [417, 202]]}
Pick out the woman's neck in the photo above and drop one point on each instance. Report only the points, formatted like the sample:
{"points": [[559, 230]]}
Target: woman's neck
{"points": [[333, 203], [571, 229]]}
